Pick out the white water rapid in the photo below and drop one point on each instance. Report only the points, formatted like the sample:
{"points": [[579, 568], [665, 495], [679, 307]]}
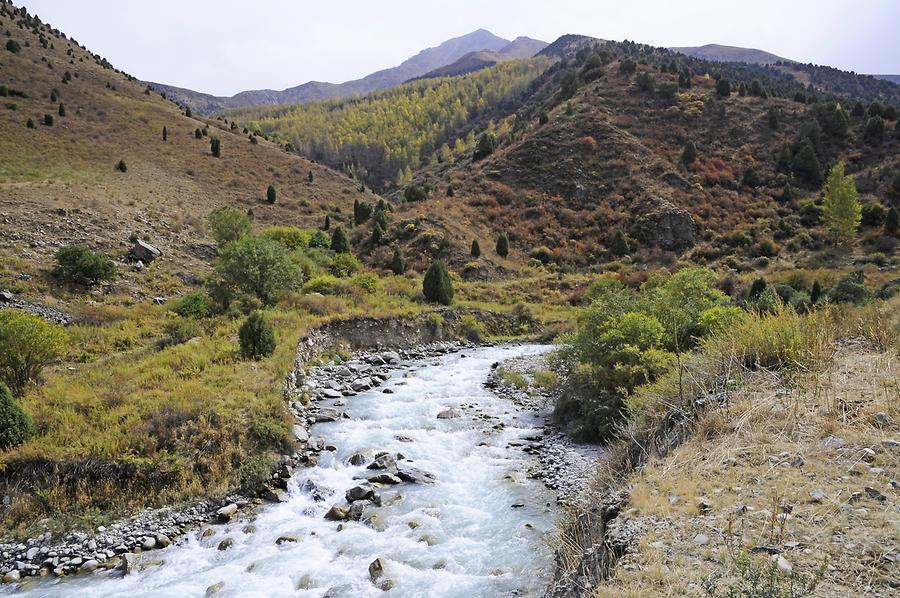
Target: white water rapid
{"points": [[460, 536]]}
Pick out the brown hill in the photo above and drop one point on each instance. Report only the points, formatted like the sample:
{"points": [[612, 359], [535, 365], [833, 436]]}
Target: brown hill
{"points": [[59, 184]]}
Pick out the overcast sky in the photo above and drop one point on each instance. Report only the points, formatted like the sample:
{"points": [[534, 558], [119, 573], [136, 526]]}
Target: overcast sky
{"points": [[226, 46]]}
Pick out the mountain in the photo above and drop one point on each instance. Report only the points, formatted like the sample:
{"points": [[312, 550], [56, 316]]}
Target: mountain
{"points": [[720, 53], [412, 68], [519, 48]]}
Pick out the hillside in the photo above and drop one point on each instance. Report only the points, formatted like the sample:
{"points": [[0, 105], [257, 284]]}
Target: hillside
{"points": [[720, 53], [519, 48], [425, 61]]}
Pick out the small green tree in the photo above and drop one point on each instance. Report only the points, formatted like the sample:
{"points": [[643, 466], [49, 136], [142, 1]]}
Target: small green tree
{"points": [[80, 265], [815, 293], [309, 176], [619, 245], [215, 146], [841, 206], [165, 134], [48, 120], [723, 87], [874, 133], [689, 153], [13, 46], [377, 233], [256, 267], [270, 194], [121, 166], [62, 110], [198, 134], [751, 178], [15, 425], [28, 343], [327, 224], [437, 286], [228, 224], [256, 337], [398, 262], [449, 190], [339, 241], [475, 251], [502, 245], [805, 164], [892, 222], [543, 118]]}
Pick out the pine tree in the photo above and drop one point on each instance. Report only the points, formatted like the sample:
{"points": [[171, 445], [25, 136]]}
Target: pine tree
{"points": [[198, 133], [215, 146], [398, 262], [892, 222], [476, 249], [816, 293], [165, 134], [874, 132], [841, 207], [48, 120], [30, 123], [62, 110], [121, 166], [270, 194], [339, 242], [449, 190], [187, 112], [256, 337], [543, 118], [437, 286], [309, 177], [377, 233], [619, 246], [723, 87], [805, 164], [751, 178], [327, 225], [15, 425], [503, 245], [689, 153]]}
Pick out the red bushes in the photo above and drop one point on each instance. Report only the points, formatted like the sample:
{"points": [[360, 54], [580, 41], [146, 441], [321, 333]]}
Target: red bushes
{"points": [[713, 170]]}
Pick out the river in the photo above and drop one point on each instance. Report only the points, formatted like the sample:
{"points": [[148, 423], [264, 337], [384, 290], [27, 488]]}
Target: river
{"points": [[483, 528]]}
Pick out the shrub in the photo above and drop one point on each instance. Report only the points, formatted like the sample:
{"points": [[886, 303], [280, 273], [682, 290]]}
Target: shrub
{"points": [[723, 87], [29, 123], [179, 331], [257, 267], [751, 178], [892, 221], [289, 236], [48, 120], [543, 118], [689, 153], [13, 46], [228, 224], [874, 132], [849, 289], [193, 305], [619, 246], [365, 281], [345, 265], [80, 265], [415, 192], [543, 254], [28, 343], [437, 286], [270, 194], [471, 329], [121, 166], [165, 134], [198, 134], [339, 241], [62, 110], [256, 336], [398, 262], [502, 245], [15, 425], [645, 82]]}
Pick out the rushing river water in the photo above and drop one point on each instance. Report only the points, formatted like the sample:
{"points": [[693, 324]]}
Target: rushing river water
{"points": [[460, 536]]}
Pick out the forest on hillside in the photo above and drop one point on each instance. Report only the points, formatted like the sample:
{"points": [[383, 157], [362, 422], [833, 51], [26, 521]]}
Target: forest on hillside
{"points": [[382, 137]]}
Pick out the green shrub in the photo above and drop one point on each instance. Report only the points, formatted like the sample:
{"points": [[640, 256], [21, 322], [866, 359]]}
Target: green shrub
{"points": [[345, 265], [324, 284], [415, 192], [339, 241], [15, 425], [256, 267], [228, 224], [80, 265], [193, 305], [502, 245], [256, 336], [475, 250], [485, 146], [121, 166], [437, 286], [689, 153], [289, 236], [28, 343], [619, 246], [13, 46], [179, 330], [849, 289], [398, 262], [320, 240], [271, 194], [471, 328], [366, 281]]}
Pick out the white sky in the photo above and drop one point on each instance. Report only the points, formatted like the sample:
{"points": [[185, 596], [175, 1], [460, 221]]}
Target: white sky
{"points": [[226, 46]]}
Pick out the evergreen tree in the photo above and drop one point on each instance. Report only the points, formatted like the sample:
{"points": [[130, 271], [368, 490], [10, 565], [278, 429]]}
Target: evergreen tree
{"points": [[475, 251], [437, 286], [485, 147], [48, 120], [30, 123], [377, 233], [858, 110], [256, 337], [757, 287], [309, 176], [805, 164], [816, 293], [751, 178], [187, 112], [619, 246], [874, 133], [165, 134], [723, 87], [62, 110], [449, 190], [15, 425], [198, 133], [339, 241], [841, 207], [327, 225], [689, 153], [503, 245], [215, 146], [543, 118], [398, 262], [121, 166], [774, 118], [892, 222], [270, 194]]}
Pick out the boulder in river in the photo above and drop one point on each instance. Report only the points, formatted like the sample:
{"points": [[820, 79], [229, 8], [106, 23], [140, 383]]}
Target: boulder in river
{"points": [[376, 569], [357, 459], [449, 414], [361, 492], [131, 562], [225, 544], [337, 513], [408, 473], [227, 512], [384, 478], [383, 461]]}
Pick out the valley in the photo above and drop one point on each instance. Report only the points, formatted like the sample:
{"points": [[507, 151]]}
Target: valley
{"points": [[578, 318]]}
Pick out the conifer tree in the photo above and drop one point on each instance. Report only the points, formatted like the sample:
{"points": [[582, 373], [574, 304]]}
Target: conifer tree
{"points": [[689, 153], [816, 293], [437, 286], [619, 246], [475, 251], [165, 134], [502, 245], [62, 110], [270, 194], [327, 225], [377, 233], [30, 123], [309, 177], [398, 262], [215, 146], [841, 208], [339, 241], [198, 133], [892, 222]]}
